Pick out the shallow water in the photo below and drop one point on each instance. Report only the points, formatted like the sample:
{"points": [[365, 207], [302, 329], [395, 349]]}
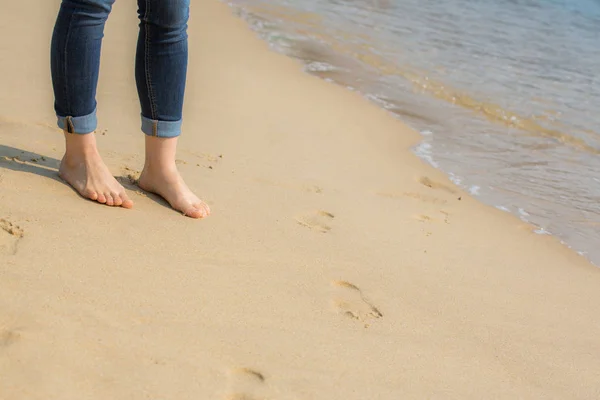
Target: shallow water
{"points": [[505, 92]]}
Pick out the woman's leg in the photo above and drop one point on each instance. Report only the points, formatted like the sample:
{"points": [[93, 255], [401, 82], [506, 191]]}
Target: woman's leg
{"points": [[161, 66], [75, 62]]}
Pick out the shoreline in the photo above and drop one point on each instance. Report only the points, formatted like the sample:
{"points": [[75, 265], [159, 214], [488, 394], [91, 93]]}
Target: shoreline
{"points": [[334, 61], [336, 264]]}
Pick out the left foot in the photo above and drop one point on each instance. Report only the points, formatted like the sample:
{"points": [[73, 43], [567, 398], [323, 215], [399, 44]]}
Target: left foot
{"points": [[160, 176], [168, 184]]}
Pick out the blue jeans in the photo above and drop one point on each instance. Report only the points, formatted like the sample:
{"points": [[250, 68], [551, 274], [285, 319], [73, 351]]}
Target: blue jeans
{"points": [[160, 66]]}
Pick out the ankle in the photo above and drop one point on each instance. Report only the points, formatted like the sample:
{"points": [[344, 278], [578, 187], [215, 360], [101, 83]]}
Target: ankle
{"points": [[160, 155], [80, 146], [159, 168]]}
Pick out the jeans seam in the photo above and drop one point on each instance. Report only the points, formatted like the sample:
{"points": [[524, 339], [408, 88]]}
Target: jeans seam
{"points": [[65, 69], [147, 63]]}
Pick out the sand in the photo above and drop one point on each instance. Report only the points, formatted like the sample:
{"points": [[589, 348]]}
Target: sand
{"points": [[336, 265]]}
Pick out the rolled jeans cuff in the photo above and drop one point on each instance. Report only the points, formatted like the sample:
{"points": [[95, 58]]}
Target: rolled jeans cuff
{"points": [[80, 125], [164, 129]]}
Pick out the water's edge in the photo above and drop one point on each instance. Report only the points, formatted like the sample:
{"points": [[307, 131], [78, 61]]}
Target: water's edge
{"points": [[423, 150]]}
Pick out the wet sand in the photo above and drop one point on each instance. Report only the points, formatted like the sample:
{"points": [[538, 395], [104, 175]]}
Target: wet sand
{"points": [[336, 264]]}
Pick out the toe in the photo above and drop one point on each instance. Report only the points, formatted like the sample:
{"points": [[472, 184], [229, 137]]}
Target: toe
{"points": [[90, 194], [204, 207], [109, 200], [116, 198], [200, 205], [194, 212], [126, 202], [101, 198]]}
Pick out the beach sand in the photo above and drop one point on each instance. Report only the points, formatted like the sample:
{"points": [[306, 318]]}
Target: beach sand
{"points": [[336, 265]]}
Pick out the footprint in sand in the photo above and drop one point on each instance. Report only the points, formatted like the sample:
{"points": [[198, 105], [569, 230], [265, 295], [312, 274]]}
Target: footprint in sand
{"points": [[423, 218], [350, 301], [10, 234], [318, 221], [425, 181], [444, 216], [246, 384]]}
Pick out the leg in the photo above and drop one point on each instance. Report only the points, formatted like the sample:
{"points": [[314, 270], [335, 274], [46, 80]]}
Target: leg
{"points": [[161, 66], [75, 62]]}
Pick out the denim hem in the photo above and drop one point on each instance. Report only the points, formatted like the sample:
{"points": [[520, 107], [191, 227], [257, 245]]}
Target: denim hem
{"points": [[80, 125], [164, 129]]}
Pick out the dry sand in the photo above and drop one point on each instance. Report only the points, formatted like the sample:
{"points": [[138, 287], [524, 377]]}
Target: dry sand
{"points": [[336, 265]]}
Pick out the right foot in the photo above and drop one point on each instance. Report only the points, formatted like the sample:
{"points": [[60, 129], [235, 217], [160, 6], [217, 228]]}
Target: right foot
{"points": [[83, 169]]}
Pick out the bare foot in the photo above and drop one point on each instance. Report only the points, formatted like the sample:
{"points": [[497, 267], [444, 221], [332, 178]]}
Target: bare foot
{"points": [[83, 169], [160, 176], [170, 186]]}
